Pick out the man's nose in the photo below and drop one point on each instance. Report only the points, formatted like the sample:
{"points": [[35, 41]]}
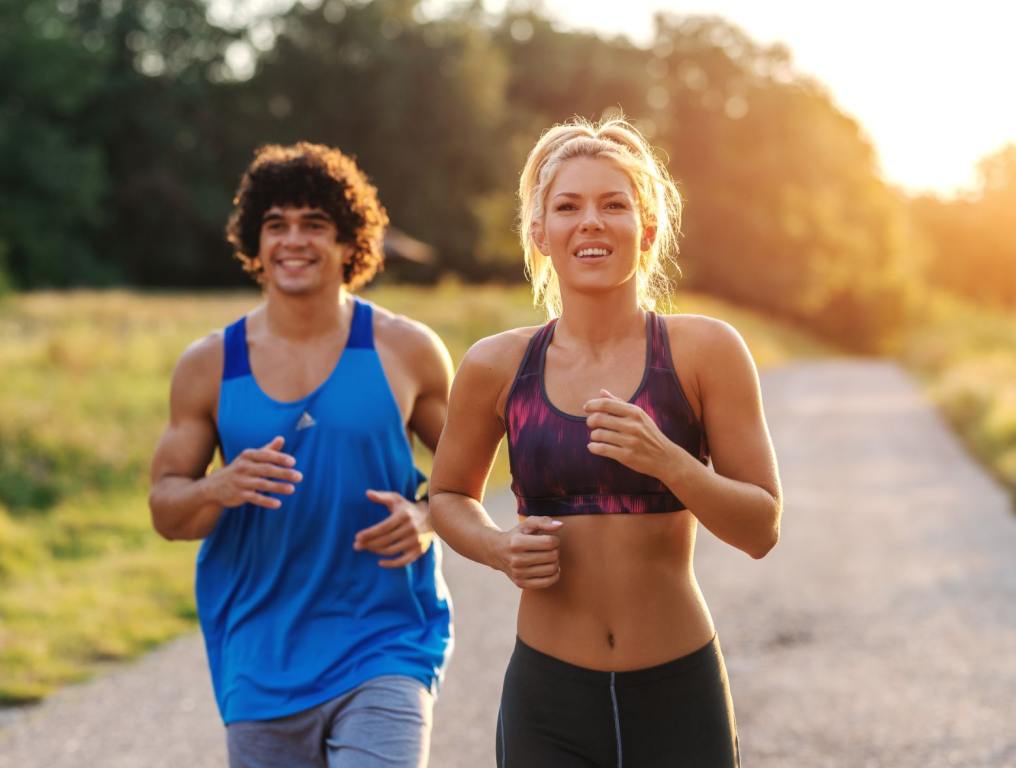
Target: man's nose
{"points": [[294, 236]]}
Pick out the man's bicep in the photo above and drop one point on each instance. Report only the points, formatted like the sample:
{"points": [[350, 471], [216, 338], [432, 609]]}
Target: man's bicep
{"points": [[188, 445], [185, 449], [431, 406]]}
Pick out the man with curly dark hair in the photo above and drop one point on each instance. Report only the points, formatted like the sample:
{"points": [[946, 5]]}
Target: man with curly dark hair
{"points": [[319, 591]]}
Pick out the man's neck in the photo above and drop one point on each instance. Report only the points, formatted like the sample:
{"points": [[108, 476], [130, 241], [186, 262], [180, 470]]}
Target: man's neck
{"points": [[304, 316]]}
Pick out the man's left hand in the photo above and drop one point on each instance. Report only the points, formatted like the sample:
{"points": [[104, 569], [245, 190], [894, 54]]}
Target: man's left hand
{"points": [[403, 537]]}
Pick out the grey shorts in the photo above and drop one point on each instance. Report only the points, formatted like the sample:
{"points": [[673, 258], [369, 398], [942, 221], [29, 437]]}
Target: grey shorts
{"points": [[385, 723]]}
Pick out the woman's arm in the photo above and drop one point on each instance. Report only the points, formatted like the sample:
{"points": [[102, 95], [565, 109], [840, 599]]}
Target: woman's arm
{"points": [[741, 501], [527, 554]]}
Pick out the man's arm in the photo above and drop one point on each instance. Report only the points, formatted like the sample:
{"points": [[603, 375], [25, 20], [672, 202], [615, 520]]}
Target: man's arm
{"points": [[185, 502], [407, 532], [433, 365]]}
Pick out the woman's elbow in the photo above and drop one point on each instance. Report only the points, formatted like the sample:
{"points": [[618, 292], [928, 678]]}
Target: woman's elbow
{"points": [[770, 536]]}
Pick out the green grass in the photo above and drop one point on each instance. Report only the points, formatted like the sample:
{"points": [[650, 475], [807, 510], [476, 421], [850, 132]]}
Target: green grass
{"points": [[966, 357], [83, 399]]}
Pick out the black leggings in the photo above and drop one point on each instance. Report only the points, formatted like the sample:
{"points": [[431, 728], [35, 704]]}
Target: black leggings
{"points": [[675, 715]]}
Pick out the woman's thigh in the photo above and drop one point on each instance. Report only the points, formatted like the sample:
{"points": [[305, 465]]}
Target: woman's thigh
{"points": [[554, 715], [679, 715]]}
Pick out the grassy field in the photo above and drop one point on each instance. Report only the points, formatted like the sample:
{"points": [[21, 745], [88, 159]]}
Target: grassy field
{"points": [[83, 399], [966, 357]]}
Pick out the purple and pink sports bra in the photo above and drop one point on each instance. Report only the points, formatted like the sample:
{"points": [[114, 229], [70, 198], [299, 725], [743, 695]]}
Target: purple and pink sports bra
{"points": [[552, 469]]}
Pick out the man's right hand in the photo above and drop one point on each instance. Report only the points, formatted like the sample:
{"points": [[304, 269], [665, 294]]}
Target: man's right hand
{"points": [[254, 473], [528, 553]]}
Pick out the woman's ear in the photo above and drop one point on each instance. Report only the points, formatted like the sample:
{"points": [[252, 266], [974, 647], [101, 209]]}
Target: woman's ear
{"points": [[539, 238], [648, 237]]}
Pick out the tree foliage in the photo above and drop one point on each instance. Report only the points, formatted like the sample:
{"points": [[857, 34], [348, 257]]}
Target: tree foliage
{"points": [[126, 123], [971, 244]]}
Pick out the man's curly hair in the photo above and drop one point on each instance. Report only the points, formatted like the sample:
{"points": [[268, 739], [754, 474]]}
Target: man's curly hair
{"points": [[313, 176]]}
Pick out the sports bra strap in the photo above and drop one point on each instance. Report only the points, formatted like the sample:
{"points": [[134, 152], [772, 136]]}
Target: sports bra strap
{"points": [[660, 347], [533, 359], [236, 363]]}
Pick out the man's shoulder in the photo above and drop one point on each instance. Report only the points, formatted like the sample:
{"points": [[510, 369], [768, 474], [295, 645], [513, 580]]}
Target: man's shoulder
{"points": [[409, 338], [203, 357], [392, 327]]}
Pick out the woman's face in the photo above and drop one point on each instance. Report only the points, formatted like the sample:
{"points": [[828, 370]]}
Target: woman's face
{"points": [[591, 228]]}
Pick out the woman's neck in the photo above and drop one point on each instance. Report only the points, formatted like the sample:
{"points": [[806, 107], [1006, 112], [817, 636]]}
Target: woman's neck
{"points": [[600, 320]]}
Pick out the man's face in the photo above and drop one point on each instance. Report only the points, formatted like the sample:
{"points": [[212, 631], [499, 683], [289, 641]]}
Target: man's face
{"points": [[298, 250]]}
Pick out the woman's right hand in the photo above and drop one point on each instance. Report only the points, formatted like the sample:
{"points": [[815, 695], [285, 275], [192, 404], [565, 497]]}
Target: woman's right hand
{"points": [[528, 553]]}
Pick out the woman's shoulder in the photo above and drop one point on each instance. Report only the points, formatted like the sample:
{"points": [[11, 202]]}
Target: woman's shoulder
{"points": [[501, 353], [703, 345], [702, 333]]}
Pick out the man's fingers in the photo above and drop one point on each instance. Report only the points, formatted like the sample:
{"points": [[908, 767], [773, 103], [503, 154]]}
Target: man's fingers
{"points": [[252, 497], [400, 561], [384, 497], [394, 542], [365, 537], [275, 443], [266, 456], [276, 472], [267, 486]]}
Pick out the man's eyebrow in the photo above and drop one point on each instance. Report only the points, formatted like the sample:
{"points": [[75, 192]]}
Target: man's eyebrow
{"points": [[316, 216], [310, 216]]}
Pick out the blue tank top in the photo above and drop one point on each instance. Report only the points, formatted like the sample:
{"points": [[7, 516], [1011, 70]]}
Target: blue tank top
{"points": [[292, 616]]}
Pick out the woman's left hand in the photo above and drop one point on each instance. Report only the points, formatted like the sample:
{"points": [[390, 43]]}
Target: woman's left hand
{"points": [[624, 432]]}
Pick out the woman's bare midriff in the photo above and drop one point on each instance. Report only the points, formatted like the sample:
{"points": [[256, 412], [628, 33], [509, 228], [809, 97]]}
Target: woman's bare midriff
{"points": [[627, 597]]}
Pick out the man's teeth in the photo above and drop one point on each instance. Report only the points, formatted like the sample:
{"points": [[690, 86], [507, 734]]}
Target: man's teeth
{"points": [[592, 252], [294, 262]]}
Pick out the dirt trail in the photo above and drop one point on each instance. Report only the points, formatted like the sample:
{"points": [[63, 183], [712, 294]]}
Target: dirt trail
{"points": [[880, 632]]}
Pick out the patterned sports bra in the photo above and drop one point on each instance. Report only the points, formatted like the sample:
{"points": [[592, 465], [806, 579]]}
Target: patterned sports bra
{"points": [[552, 469]]}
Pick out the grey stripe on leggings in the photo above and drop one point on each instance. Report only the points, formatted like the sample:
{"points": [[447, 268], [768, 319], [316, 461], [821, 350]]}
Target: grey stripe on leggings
{"points": [[617, 719]]}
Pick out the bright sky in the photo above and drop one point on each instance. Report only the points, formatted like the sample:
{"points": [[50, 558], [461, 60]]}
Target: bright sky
{"points": [[933, 83]]}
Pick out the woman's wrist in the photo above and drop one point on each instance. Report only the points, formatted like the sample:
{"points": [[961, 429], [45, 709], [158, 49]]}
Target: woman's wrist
{"points": [[678, 468]]}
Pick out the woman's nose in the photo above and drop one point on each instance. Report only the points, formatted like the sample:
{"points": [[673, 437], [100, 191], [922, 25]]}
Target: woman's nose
{"points": [[591, 220]]}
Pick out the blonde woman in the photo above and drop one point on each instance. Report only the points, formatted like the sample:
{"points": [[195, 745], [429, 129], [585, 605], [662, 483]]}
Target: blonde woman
{"points": [[613, 413]]}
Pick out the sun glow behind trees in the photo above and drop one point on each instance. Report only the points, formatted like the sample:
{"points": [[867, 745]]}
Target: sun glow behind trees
{"points": [[931, 83]]}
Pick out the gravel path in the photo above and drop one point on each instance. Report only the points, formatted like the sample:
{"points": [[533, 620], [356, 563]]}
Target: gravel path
{"points": [[880, 632]]}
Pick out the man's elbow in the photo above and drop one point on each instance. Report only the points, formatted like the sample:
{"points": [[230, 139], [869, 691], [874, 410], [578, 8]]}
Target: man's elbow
{"points": [[160, 523]]}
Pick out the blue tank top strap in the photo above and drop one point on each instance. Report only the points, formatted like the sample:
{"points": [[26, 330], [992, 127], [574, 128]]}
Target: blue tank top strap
{"points": [[361, 331], [237, 362]]}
